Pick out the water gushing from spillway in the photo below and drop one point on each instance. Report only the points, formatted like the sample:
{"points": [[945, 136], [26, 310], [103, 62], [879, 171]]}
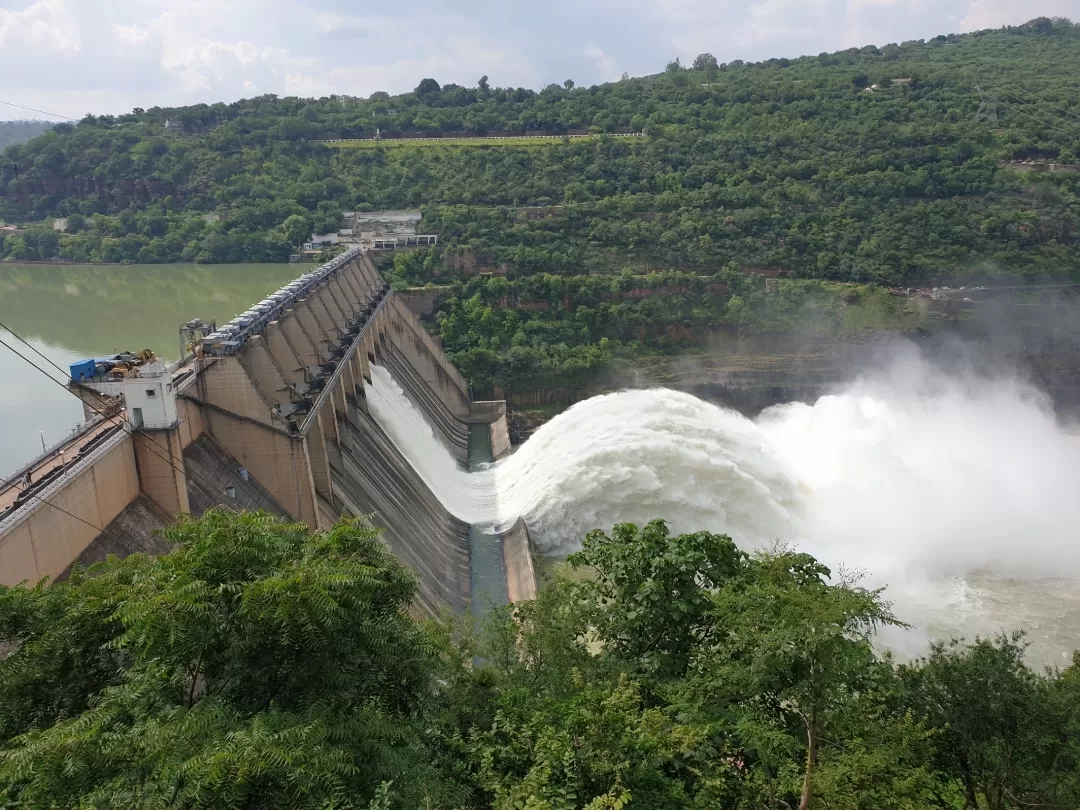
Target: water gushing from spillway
{"points": [[956, 492], [471, 497]]}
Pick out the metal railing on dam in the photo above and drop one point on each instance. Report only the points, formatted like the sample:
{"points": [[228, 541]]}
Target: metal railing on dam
{"points": [[271, 411], [23, 495], [232, 337]]}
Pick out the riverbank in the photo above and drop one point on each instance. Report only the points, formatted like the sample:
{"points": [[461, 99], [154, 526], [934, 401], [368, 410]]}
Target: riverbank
{"points": [[57, 263]]}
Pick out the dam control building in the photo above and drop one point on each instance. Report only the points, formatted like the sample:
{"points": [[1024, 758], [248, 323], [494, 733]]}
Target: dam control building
{"points": [[267, 412]]}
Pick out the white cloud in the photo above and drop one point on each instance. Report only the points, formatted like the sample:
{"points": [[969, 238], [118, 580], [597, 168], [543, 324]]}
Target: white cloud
{"points": [[334, 23], [299, 84], [606, 65], [464, 62], [48, 23], [131, 34], [199, 64], [113, 55], [994, 13], [759, 29]]}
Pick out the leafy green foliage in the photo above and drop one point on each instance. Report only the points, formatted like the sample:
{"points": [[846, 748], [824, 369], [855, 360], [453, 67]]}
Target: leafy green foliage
{"points": [[561, 332], [999, 721], [794, 650], [652, 592], [13, 132], [63, 657], [257, 666]]}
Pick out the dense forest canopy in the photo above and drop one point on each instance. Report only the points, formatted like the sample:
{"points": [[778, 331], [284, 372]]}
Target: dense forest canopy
{"points": [[908, 164], [263, 666]]}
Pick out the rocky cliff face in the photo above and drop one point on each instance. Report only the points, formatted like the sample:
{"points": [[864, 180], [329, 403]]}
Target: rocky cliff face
{"points": [[118, 193]]}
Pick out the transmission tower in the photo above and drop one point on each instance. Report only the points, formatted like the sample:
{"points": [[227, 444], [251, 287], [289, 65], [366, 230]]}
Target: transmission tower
{"points": [[987, 108]]}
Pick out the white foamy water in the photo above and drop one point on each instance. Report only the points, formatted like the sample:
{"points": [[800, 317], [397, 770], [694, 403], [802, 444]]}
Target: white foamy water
{"points": [[959, 494], [468, 496]]}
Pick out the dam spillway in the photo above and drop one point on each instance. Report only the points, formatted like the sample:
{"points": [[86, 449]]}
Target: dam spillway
{"points": [[270, 411]]}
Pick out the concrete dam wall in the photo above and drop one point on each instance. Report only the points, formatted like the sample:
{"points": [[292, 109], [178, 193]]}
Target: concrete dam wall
{"points": [[269, 412]]}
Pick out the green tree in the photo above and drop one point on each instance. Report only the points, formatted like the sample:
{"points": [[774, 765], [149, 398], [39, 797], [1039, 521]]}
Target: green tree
{"points": [[652, 592], [259, 665], [15, 247], [1002, 729], [790, 650], [297, 228], [428, 87], [707, 63], [551, 724]]}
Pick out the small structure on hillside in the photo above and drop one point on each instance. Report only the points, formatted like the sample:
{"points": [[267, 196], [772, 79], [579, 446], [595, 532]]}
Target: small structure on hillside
{"points": [[406, 241], [375, 230], [389, 230], [367, 225]]}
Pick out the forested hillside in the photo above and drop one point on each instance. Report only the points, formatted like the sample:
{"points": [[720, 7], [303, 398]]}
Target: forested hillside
{"points": [[908, 164], [263, 666], [832, 166], [13, 132]]}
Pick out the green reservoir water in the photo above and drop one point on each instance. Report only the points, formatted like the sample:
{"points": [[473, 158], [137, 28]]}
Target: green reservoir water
{"points": [[75, 311]]}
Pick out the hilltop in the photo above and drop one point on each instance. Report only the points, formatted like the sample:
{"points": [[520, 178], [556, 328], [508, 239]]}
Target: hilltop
{"points": [[868, 164]]}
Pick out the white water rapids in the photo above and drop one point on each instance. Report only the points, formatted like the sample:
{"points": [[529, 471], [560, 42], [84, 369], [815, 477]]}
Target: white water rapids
{"points": [[958, 493]]}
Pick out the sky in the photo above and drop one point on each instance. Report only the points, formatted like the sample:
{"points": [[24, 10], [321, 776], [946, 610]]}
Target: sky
{"points": [[72, 57]]}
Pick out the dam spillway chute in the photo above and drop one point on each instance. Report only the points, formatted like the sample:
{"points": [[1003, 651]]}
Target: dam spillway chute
{"points": [[469, 496], [913, 487]]}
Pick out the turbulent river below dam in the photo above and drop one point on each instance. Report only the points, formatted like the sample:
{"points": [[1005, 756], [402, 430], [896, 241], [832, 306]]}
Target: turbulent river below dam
{"points": [[956, 492]]}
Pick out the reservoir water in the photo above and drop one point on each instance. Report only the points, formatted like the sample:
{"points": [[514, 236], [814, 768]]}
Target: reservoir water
{"points": [[69, 312]]}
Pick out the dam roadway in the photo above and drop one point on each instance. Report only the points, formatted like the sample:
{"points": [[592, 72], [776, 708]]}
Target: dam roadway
{"points": [[268, 412]]}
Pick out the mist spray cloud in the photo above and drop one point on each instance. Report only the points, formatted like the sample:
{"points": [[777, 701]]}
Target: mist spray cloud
{"points": [[956, 490]]}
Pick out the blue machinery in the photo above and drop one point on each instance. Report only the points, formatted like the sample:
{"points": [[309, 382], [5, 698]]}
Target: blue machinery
{"points": [[231, 338]]}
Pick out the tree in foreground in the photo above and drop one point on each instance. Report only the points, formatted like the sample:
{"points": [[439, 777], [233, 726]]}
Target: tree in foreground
{"points": [[683, 672], [1012, 736], [259, 665]]}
